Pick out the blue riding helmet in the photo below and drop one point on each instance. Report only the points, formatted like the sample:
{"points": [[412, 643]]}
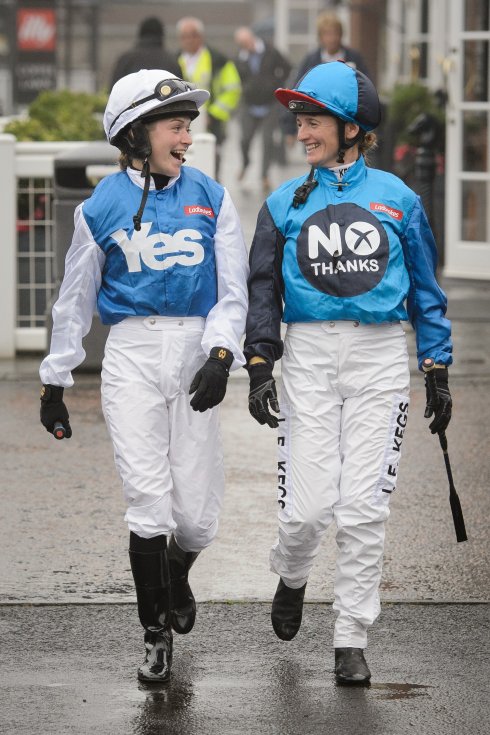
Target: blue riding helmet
{"points": [[337, 89]]}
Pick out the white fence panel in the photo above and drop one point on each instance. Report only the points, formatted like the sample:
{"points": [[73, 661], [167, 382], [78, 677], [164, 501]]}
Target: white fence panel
{"points": [[27, 276], [8, 271]]}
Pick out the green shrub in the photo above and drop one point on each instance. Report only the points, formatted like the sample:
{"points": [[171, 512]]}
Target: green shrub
{"points": [[61, 115], [407, 101]]}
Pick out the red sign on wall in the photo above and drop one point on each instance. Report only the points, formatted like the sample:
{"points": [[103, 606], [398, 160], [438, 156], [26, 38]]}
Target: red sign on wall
{"points": [[36, 29], [35, 52]]}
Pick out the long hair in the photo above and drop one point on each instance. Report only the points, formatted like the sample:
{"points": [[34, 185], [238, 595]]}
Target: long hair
{"points": [[124, 161], [368, 143]]}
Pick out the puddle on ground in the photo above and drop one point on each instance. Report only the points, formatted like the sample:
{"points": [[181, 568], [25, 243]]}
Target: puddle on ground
{"points": [[400, 691]]}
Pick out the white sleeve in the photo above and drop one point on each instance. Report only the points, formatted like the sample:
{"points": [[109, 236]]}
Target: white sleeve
{"points": [[225, 323], [75, 307]]}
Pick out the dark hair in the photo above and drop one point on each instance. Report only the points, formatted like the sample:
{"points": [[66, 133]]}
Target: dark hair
{"points": [[124, 161], [152, 27]]}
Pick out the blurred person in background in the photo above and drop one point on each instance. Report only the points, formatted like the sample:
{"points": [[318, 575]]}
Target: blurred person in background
{"points": [[209, 69], [149, 52], [329, 31], [262, 70]]}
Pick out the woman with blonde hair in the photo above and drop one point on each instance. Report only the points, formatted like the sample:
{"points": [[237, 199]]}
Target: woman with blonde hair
{"points": [[342, 255]]}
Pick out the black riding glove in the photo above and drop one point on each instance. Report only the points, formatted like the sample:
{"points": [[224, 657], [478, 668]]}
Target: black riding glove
{"points": [[440, 404], [53, 409], [262, 394], [209, 383]]}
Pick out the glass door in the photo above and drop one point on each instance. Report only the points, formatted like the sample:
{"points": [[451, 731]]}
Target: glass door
{"points": [[468, 142]]}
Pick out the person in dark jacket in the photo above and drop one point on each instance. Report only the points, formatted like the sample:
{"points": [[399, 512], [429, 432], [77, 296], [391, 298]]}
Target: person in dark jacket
{"points": [[330, 48], [262, 70], [148, 53]]}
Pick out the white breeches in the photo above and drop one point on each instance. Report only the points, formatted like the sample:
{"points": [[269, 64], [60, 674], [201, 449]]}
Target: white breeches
{"points": [[344, 409], [168, 456]]}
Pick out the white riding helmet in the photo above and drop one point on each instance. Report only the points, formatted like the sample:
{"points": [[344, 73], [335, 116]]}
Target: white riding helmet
{"points": [[142, 93]]}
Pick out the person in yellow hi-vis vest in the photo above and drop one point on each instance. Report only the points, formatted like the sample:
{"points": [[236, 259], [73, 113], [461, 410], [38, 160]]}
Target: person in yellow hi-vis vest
{"points": [[209, 69]]}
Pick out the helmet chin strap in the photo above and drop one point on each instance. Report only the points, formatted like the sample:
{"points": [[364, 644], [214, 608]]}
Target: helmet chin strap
{"points": [[303, 192], [344, 144], [340, 155], [138, 147], [145, 173]]}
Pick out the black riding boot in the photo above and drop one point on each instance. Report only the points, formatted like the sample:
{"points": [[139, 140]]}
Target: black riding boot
{"points": [[183, 605], [351, 667], [149, 565], [287, 610]]}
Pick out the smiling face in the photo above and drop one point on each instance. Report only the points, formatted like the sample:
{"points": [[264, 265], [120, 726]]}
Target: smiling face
{"points": [[320, 137], [169, 138]]}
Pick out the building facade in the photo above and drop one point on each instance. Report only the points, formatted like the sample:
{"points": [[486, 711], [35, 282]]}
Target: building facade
{"points": [[446, 45]]}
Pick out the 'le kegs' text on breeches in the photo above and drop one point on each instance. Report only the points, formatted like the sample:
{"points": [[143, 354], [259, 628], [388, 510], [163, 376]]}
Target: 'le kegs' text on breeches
{"points": [[343, 414]]}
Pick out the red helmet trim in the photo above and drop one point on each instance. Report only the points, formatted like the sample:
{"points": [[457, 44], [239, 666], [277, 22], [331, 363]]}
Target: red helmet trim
{"points": [[284, 96]]}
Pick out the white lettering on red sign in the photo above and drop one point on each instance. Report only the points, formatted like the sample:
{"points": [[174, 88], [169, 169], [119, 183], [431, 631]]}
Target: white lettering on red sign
{"points": [[197, 209], [378, 207], [36, 29]]}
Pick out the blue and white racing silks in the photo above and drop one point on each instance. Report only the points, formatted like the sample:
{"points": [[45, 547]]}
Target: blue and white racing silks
{"points": [[166, 268], [360, 249], [188, 259]]}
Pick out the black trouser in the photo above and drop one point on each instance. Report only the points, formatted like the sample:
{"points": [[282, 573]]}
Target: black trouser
{"points": [[249, 126], [218, 129]]}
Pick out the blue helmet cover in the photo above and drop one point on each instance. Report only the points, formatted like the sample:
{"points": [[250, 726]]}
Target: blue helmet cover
{"points": [[341, 90]]}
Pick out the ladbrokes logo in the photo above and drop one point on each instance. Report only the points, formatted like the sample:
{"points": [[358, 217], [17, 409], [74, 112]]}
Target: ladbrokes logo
{"points": [[378, 207], [197, 209], [343, 250]]}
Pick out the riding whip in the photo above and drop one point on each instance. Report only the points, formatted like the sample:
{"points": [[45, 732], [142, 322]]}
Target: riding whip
{"points": [[428, 368]]}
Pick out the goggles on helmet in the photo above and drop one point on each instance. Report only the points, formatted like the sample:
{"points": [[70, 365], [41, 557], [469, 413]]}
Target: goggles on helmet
{"points": [[164, 90], [300, 106]]}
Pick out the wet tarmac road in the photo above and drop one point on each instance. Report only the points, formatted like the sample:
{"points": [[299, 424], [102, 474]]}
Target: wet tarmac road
{"points": [[64, 541], [64, 538], [73, 671]]}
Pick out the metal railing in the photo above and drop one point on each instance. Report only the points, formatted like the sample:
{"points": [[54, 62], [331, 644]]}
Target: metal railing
{"points": [[28, 275], [35, 253]]}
